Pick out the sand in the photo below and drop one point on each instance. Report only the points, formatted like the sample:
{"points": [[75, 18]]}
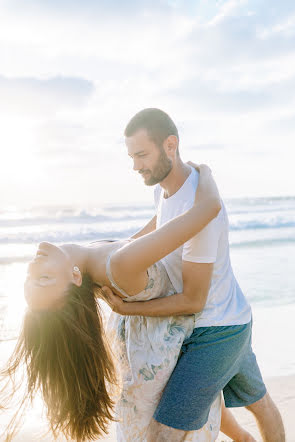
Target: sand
{"points": [[282, 390]]}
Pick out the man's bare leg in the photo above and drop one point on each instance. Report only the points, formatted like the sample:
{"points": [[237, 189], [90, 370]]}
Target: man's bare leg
{"points": [[269, 420]]}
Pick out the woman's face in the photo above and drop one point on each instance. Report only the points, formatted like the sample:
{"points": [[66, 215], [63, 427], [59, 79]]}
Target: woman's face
{"points": [[49, 275]]}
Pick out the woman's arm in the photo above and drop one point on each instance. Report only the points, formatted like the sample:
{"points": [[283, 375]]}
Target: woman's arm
{"points": [[137, 256]]}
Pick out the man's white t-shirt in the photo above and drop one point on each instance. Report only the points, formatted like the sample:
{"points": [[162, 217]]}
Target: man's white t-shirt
{"points": [[226, 304]]}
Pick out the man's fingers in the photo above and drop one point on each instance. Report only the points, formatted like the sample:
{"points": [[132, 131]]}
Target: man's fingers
{"points": [[114, 301], [108, 296], [107, 291]]}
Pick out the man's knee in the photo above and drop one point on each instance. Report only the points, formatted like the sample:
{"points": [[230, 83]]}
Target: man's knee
{"points": [[269, 419], [263, 405], [267, 413]]}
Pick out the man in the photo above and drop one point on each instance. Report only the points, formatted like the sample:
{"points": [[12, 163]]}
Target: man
{"points": [[218, 355]]}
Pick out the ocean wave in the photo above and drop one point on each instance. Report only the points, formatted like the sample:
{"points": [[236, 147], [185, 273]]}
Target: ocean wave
{"points": [[235, 242], [258, 201], [61, 225], [64, 232], [260, 210], [261, 242], [65, 236], [261, 224], [239, 220], [80, 218], [50, 215]]}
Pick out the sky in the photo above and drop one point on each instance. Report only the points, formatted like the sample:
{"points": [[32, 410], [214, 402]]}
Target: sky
{"points": [[73, 73]]}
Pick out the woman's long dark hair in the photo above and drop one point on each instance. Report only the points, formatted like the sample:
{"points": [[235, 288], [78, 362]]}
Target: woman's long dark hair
{"points": [[67, 358]]}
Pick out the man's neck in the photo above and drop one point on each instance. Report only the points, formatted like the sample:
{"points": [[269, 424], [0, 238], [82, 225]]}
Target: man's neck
{"points": [[177, 176]]}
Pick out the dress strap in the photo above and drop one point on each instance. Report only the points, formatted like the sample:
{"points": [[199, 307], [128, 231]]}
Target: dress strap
{"points": [[111, 278]]}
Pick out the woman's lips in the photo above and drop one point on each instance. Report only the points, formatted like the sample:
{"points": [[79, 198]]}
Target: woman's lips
{"points": [[41, 253]]}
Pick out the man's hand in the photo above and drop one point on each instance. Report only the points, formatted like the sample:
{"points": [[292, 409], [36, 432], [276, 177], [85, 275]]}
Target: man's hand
{"points": [[196, 279], [114, 301]]}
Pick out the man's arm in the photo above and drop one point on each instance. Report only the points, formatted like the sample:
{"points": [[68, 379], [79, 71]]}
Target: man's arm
{"points": [[196, 284], [148, 228]]}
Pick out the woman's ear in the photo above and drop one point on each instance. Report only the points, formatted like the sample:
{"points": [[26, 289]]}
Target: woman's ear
{"points": [[77, 277]]}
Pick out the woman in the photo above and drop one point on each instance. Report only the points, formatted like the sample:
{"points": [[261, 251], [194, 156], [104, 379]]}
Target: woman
{"points": [[63, 345]]}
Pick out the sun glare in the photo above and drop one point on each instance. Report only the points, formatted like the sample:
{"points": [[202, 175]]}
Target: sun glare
{"points": [[12, 282], [18, 162]]}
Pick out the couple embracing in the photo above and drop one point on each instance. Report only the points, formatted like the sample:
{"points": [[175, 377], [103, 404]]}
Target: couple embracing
{"points": [[180, 327]]}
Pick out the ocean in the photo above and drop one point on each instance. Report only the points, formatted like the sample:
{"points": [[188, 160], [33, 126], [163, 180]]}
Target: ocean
{"points": [[262, 240]]}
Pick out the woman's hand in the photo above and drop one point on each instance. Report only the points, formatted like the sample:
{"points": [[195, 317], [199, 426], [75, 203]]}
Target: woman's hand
{"points": [[207, 190], [194, 165], [115, 302]]}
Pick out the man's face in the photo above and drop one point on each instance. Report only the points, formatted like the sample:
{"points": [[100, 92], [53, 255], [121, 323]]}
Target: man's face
{"points": [[149, 160]]}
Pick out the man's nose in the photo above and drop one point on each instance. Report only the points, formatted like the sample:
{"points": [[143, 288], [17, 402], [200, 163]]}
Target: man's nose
{"points": [[137, 164]]}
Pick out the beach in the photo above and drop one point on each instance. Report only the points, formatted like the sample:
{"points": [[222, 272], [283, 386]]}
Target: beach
{"points": [[262, 234], [273, 357]]}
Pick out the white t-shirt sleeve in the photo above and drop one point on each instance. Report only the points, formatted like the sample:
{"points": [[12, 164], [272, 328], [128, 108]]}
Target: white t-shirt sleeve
{"points": [[202, 248]]}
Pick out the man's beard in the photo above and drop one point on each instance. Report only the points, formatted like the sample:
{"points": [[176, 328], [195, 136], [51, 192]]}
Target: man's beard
{"points": [[160, 170]]}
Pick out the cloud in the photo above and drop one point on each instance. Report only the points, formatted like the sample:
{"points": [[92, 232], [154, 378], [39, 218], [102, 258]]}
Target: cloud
{"points": [[208, 97], [94, 9], [223, 70], [30, 96], [242, 36], [282, 127], [238, 61]]}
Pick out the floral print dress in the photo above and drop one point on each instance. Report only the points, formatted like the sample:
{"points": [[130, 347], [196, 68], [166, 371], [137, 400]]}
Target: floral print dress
{"points": [[147, 349]]}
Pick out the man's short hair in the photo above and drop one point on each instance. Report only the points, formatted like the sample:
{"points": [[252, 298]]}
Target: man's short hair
{"points": [[157, 123]]}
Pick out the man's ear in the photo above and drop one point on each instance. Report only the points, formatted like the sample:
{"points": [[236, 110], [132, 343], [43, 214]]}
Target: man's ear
{"points": [[170, 145]]}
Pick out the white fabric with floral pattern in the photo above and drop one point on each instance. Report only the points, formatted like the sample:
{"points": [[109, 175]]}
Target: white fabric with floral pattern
{"points": [[147, 349]]}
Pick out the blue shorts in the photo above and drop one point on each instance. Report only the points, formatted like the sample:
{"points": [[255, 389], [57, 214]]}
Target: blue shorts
{"points": [[212, 359]]}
